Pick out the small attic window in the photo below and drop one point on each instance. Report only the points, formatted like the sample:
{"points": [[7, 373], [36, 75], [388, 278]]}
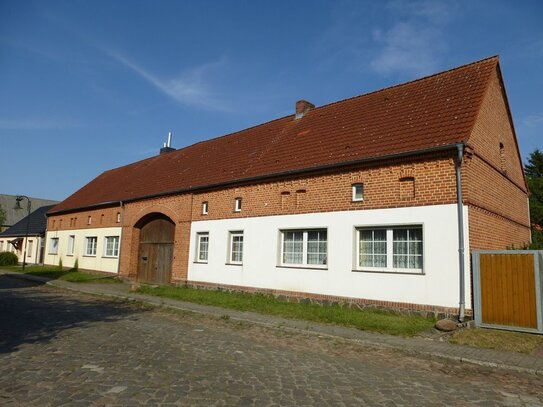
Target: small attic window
{"points": [[502, 158], [358, 192], [237, 205], [205, 208], [89, 220], [118, 217]]}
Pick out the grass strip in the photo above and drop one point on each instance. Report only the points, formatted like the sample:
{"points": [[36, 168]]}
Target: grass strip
{"points": [[65, 274], [499, 340], [381, 321]]}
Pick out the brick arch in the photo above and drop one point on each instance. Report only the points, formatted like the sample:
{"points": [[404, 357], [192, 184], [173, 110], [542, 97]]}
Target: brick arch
{"points": [[153, 209]]}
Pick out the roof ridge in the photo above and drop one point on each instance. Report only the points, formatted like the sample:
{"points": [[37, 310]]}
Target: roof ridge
{"points": [[410, 82]]}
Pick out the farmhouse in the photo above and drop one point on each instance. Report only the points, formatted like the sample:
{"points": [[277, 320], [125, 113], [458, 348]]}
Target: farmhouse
{"points": [[375, 200]]}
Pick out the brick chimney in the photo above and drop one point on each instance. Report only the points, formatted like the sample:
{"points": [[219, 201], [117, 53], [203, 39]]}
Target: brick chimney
{"points": [[302, 107]]}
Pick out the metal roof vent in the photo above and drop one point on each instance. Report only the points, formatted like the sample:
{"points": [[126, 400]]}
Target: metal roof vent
{"points": [[167, 146]]}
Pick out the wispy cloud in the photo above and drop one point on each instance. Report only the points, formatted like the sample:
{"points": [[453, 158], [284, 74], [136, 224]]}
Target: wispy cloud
{"points": [[533, 120], [413, 43], [36, 124], [190, 88]]}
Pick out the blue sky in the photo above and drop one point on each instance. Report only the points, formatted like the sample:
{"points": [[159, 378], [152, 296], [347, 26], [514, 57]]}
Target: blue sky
{"points": [[86, 86]]}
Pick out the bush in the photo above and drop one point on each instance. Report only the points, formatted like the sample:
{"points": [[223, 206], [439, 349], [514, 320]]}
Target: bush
{"points": [[8, 259], [76, 265]]}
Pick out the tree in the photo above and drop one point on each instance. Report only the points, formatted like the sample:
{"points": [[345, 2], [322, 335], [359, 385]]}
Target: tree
{"points": [[534, 174]]}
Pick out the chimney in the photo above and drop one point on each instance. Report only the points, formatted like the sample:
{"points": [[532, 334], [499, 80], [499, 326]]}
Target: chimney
{"points": [[167, 146], [302, 107]]}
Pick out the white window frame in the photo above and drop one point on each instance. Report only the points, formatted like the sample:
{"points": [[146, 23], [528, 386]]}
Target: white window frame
{"points": [[92, 251], [359, 185], [389, 250], [115, 248], [118, 219], [205, 208], [199, 251], [29, 248], [232, 236], [53, 248], [71, 245], [305, 252], [89, 220], [237, 205]]}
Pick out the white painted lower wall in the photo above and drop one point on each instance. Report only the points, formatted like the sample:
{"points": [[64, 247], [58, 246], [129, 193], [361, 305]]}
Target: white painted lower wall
{"points": [[439, 285], [32, 249], [99, 262]]}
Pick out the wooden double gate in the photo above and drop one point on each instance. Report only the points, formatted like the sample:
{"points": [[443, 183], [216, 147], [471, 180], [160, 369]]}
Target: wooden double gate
{"points": [[507, 287]]}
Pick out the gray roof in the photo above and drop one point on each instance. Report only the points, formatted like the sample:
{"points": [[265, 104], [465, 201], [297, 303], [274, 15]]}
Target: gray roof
{"points": [[37, 223], [7, 202]]}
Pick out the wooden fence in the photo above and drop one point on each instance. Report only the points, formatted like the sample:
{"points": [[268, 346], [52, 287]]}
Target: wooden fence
{"points": [[507, 289]]}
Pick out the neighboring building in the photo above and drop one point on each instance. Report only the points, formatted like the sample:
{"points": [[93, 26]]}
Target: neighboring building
{"points": [[13, 239], [352, 201], [7, 203]]}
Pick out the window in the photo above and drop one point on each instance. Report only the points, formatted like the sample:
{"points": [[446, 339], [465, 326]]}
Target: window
{"points": [[90, 245], [237, 205], [118, 219], [236, 248], [53, 245], [71, 245], [358, 192], [111, 246], [202, 247], [89, 220], [205, 208], [393, 249], [1, 245], [29, 248], [307, 248]]}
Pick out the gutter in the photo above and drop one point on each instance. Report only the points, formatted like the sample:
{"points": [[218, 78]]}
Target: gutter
{"points": [[120, 239], [265, 177], [461, 254]]}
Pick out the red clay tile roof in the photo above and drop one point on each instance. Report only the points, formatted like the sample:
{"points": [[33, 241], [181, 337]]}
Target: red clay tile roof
{"points": [[435, 111]]}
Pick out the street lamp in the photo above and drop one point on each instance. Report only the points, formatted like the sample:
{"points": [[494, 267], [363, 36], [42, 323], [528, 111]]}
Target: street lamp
{"points": [[18, 200]]}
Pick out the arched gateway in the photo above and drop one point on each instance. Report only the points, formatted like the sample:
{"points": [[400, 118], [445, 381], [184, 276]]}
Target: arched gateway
{"points": [[155, 249]]}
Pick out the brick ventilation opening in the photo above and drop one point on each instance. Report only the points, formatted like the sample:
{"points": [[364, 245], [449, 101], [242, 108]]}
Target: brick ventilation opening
{"points": [[407, 188]]}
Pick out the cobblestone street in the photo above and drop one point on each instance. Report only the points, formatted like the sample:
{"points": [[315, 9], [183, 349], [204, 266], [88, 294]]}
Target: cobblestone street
{"points": [[62, 348]]}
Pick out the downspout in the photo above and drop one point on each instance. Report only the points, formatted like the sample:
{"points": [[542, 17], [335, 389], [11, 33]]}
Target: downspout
{"points": [[460, 209], [120, 239]]}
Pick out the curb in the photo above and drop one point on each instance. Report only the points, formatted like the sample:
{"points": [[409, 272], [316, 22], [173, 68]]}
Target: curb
{"points": [[311, 328]]}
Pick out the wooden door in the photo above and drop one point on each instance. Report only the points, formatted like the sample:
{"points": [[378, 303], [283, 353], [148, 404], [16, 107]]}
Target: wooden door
{"points": [[508, 292], [156, 251]]}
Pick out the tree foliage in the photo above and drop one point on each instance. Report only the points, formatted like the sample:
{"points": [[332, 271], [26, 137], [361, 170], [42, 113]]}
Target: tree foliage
{"points": [[534, 174]]}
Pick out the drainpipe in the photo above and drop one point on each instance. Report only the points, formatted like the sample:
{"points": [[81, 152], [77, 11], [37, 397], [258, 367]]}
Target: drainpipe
{"points": [[120, 239], [462, 302]]}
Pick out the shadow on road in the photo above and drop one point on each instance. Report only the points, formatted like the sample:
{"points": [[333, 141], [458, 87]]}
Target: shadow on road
{"points": [[29, 314]]}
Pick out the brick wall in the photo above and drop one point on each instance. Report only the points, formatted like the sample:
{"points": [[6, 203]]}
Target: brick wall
{"points": [[493, 180], [433, 180], [100, 218]]}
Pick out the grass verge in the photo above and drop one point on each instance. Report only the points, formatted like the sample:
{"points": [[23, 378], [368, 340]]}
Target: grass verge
{"points": [[369, 320], [498, 340], [65, 274]]}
